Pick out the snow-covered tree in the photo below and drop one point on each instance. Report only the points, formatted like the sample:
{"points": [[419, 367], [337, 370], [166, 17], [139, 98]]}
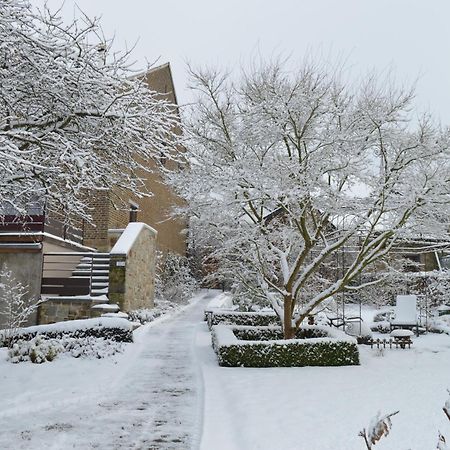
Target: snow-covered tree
{"points": [[74, 115], [15, 305], [289, 168], [174, 279]]}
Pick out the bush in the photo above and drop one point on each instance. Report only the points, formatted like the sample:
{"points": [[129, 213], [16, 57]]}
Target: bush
{"points": [[39, 349], [258, 319], [313, 346], [115, 329], [174, 280], [146, 315]]}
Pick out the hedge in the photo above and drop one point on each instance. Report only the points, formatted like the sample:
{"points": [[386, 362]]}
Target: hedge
{"points": [[254, 319], [313, 346], [116, 329]]}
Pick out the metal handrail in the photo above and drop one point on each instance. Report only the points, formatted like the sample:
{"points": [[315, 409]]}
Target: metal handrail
{"points": [[63, 265]]}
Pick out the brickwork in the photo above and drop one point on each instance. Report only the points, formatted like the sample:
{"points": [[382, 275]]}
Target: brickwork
{"points": [[155, 210], [96, 233]]}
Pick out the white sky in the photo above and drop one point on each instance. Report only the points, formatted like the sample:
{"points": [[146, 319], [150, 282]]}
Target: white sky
{"points": [[411, 36]]}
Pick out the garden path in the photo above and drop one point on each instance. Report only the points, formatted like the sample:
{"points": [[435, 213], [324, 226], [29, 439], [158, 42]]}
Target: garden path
{"points": [[150, 398]]}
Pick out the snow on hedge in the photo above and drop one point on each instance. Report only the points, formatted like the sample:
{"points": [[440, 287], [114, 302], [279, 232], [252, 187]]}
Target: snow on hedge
{"points": [[260, 318], [317, 346], [116, 328]]}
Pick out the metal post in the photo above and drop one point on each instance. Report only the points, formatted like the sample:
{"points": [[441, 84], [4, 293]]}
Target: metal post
{"points": [[92, 269]]}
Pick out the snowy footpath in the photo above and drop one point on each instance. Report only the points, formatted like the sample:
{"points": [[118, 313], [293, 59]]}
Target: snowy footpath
{"points": [[167, 392], [148, 398]]}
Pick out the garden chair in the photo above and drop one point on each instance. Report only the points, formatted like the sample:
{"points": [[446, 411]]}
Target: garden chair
{"points": [[406, 313]]}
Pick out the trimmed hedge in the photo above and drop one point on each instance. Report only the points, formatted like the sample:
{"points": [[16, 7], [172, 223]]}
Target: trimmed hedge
{"points": [[254, 319], [314, 346], [115, 329]]}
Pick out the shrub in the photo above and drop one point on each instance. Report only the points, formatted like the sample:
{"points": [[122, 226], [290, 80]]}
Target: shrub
{"points": [[16, 305], [145, 315], [115, 329], [313, 346], [174, 280], [39, 349], [258, 319]]}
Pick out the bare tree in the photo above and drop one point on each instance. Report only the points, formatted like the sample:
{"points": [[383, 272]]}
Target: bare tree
{"points": [[74, 115], [288, 169], [15, 305]]}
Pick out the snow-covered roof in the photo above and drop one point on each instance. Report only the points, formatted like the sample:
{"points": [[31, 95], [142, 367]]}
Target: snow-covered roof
{"points": [[129, 236]]}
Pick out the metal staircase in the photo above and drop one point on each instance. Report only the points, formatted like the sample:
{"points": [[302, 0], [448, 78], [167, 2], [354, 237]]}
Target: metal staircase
{"points": [[75, 273], [95, 266]]}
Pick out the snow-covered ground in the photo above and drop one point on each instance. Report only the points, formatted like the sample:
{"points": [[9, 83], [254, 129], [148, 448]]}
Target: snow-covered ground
{"points": [[167, 392], [144, 398], [324, 408]]}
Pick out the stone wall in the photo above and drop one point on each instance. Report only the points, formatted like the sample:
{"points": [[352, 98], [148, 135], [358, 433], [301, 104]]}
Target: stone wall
{"points": [[132, 268], [58, 310], [26, 268]]}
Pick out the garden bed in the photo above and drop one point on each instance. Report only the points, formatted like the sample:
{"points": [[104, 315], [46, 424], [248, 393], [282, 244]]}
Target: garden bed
{"points": [[255, 319], [240, 346]]}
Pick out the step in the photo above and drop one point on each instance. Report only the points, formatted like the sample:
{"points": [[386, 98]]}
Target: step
{"points": [[88, 266], [99, 291]]}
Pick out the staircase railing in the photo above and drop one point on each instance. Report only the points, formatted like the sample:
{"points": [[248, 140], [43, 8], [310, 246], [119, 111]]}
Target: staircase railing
{"points": [[69, 273]]}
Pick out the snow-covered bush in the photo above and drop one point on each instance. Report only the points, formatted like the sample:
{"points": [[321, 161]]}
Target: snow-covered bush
{"points": [[331, 348], [145, 315], [40, 349], [15, 305], [432, 286], [174, 280], [360, 330], [115, 329], [91, 347], [255, 319]]}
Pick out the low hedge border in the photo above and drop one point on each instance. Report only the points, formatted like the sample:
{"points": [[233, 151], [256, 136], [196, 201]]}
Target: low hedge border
{"points": [[115, 329], [314, 346], [254, 319]]}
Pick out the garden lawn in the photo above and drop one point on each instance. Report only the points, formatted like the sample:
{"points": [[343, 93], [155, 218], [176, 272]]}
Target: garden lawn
{"points": [[324, 408]]}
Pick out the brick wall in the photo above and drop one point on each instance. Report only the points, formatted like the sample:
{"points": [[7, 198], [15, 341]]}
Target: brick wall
{"points": [[96, 233], [154, 211]]}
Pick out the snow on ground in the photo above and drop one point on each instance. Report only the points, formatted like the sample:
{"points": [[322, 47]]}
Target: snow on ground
{"points": [[144, 398], [167, 392], [324, 408]]}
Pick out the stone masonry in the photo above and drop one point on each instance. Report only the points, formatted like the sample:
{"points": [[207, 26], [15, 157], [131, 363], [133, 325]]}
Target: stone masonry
{"points": [[58, 310], [132, 272]]}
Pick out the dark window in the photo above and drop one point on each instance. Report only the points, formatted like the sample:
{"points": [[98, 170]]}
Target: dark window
{"points": [[133, 213]]}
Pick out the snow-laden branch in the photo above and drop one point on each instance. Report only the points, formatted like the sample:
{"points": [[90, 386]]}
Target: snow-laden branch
{"points": [[293, 169]]}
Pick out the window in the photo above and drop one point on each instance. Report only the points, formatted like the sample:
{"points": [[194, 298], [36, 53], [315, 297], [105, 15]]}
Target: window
{"points": [[134, 208]]}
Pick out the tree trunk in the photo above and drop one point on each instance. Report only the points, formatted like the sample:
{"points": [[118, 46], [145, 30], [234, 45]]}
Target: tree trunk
{"points": [[288, 329]]}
